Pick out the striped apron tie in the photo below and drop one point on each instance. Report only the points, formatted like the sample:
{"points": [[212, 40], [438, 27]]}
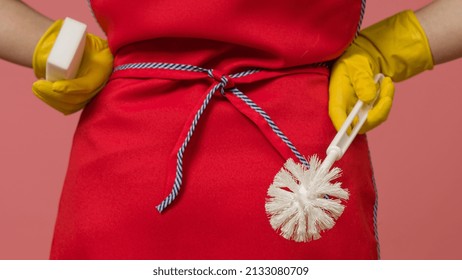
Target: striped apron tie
{"points": [[225, 85]]}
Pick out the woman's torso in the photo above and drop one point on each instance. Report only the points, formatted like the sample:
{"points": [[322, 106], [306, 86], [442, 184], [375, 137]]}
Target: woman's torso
{"points": [[230, 35], [127, 140]]}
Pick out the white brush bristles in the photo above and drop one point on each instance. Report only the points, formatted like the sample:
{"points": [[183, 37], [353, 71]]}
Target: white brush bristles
{"points": [[303, 202]]}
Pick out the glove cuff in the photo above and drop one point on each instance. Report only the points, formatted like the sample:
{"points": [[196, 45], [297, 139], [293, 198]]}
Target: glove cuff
{"points": [[43, 49], [401, 44]]}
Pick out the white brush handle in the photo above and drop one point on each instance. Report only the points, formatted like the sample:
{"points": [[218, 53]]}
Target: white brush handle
{"points": [[342, 139]]}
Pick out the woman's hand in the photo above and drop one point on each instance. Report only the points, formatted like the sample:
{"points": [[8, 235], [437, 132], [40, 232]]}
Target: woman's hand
{"points": [[396, 47], [69, 96]]}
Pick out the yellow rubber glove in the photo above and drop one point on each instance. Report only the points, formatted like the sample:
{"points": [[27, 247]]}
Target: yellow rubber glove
{"points": [[69, 96], [396, 47]]}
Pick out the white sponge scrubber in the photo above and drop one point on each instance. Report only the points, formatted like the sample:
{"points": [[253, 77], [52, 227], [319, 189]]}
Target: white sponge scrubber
{"points": [[66, 54]]}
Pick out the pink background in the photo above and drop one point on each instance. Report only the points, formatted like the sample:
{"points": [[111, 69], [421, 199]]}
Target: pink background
{"points": [[415, 154]]}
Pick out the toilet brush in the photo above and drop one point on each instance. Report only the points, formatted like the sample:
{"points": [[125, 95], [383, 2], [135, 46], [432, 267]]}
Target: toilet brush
{"points": [[303, 202]]}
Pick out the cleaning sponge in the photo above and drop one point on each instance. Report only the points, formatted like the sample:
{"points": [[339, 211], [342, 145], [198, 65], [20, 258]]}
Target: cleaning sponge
{"points": [[66, 54]]}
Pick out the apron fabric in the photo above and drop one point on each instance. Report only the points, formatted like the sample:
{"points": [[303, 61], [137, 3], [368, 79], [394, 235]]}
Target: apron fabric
{"points": [[124, 155]]}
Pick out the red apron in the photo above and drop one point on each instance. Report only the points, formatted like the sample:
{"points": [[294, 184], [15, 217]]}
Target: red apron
{"points": [[125, 153]]}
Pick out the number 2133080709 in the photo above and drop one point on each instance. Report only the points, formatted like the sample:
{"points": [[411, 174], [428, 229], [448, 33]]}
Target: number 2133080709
{"points": [[293, 270]]}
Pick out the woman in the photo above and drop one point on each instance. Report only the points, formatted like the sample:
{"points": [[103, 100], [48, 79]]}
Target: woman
{"points": [[130, 133]]}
